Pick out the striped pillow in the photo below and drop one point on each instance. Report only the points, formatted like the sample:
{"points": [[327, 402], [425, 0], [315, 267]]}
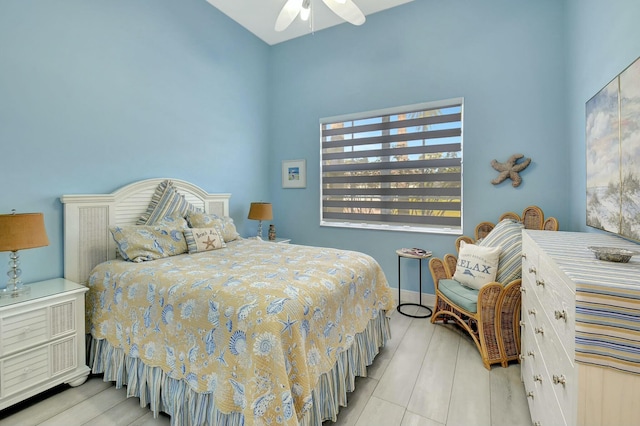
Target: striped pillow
{"points": [[166, 201], [203, 239], [508, 235]]}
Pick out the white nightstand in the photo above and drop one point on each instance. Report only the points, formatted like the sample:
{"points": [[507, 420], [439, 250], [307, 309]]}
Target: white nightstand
{"points": [[42, 340], [277, 240], [280, 240]]}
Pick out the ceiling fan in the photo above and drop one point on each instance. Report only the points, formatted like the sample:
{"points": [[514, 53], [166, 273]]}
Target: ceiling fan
{"points": [[346, 9]]}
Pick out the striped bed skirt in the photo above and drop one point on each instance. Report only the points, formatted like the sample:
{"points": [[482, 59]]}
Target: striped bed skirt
{"points": [[187, 407]]}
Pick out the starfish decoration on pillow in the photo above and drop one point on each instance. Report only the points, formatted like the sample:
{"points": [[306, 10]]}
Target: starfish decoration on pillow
{"points": [[510, 169], [210, 244]]}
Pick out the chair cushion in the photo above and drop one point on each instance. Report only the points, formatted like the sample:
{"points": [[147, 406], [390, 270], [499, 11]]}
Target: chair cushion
{"points": [[477, 265], [508, 235], [462, 296]]}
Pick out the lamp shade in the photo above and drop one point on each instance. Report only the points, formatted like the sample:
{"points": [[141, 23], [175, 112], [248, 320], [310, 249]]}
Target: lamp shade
{"points": [[22, 231], [260, 211]]}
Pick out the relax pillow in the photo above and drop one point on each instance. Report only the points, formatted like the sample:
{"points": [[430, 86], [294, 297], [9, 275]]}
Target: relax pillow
{"points": [[165, 201], [476, 265], [508, 235], [224, 224], [203, 239], [138, 243]]}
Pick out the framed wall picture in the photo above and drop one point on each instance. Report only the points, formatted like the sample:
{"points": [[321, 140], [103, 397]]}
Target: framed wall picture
{"points": [[294, 173], [603, 159], [613, 155]]}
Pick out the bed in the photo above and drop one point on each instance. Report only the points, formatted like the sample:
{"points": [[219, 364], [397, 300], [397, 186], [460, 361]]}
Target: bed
{"points": [[248, 333]]}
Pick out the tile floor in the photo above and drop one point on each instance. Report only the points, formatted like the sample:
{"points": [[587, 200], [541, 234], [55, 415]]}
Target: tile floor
{"points": [[427, 375]]}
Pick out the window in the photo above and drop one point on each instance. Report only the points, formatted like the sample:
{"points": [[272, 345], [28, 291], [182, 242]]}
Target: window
{"points": [[397, 169]]}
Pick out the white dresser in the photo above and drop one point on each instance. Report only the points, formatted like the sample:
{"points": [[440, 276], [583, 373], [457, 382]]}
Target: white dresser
{"points": [[42, 340], [580, 331]]}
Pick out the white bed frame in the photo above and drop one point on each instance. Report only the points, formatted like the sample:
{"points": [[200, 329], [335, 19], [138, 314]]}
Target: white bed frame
{"points": [[87, 218]]}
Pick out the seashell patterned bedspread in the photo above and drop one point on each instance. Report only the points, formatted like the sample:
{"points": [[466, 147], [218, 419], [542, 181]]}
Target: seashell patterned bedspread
{"points": [[256, 323]]}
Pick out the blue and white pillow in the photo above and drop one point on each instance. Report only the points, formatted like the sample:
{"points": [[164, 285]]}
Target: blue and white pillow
{"points": [[174, 221], [139, 243]]}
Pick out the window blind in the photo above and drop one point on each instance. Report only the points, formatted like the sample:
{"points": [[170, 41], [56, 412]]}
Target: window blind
{"points": [[394, 169]]}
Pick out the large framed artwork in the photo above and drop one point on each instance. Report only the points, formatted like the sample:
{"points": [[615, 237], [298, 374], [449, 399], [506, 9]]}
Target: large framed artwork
{"points": [[613, 155]]}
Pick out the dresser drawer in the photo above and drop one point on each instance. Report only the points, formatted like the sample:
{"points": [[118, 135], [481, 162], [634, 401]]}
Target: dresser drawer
{"points": [[546, 351], [556, 300], [544, 406], [37, 365], [528, 355], [559, 301], [550, 344], [551, 412], [22, 371], [529, 263], [528, 274], [23, 330], [553, 362]]}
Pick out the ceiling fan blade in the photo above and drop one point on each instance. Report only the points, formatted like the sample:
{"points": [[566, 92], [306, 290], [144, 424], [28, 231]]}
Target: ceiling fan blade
{"points": [[288, 13], [347, 11]]}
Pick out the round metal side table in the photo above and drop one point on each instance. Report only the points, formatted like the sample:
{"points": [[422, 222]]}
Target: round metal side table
{"points": [[404, 254]]}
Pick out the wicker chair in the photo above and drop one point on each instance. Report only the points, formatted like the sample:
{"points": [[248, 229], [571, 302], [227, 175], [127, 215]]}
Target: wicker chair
{"points": [[494, 327]]}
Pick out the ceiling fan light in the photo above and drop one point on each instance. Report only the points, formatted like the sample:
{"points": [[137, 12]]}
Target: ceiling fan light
{"points": [[305, 12]]}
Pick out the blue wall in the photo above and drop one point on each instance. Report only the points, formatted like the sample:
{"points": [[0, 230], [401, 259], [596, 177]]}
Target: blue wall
{"points": [[604, 38], [97, 94], [505, 57]]}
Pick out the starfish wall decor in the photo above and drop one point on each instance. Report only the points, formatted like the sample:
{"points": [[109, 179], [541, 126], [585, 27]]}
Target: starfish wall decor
{"points": [[510, 169]]}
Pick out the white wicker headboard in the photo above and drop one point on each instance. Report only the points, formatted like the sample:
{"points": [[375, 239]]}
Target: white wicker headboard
{"points": [[87, 218]]}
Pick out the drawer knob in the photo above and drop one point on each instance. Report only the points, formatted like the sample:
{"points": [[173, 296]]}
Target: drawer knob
{"points": [[537, 424], [531, 353], [561, 315], [521, 357], [524, 255], [559, 380], [523, 290], [530, 394], [532, 269], [522, 323], [539, 330], [537, 378], [532, 311], [540, 282]]}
